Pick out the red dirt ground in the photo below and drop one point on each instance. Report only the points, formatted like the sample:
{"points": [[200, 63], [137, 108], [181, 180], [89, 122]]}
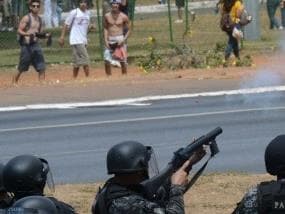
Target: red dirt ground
{"points": [[61, 87], [62, 74]]}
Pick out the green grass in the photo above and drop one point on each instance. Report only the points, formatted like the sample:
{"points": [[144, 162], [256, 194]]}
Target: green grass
{"points": [[204, 35]]}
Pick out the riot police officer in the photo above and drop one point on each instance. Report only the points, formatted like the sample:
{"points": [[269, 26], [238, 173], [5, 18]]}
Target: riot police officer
{"points": [[33, 204], [27, 175], [268, 197], [131, 163], [5, 198]]}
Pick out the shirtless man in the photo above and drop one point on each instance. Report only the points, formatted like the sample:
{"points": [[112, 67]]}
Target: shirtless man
{"points": [[114, 23], [29, 29]]}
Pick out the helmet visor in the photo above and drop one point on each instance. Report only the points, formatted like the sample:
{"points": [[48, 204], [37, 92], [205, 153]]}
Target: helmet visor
{"points": [[48, 173], [152, 162]]}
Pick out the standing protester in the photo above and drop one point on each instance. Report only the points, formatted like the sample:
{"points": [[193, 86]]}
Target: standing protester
{"points": [[114, 24], [27, 175], [29, 31], [50, 13], [7, 18], [59, 10], [180, 5], [131, 163], [272, 6], [231, 13], [106, 9], [268, 197], [78, 21]]}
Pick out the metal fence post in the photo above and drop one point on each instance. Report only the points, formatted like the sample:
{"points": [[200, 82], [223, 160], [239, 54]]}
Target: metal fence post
{"points": [[100, 29], [186, 16], [170, 21]]}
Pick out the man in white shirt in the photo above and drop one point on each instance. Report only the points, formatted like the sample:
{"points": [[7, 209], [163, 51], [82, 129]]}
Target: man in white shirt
{"points": [[78, 21]]}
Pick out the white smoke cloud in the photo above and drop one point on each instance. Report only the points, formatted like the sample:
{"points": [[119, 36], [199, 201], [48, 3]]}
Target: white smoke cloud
{"points": [[264, 78]]}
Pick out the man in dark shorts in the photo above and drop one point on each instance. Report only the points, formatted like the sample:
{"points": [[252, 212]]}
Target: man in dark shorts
{"points": [[179, 4], [31, 53]]}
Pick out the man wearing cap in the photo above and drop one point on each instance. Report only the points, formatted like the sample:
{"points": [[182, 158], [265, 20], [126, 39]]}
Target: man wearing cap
{"points": [[269, 196], [115, 40]]}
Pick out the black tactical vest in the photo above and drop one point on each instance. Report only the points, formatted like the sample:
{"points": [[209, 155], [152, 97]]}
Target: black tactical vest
{"points": [[112, 191], [271, 197]]}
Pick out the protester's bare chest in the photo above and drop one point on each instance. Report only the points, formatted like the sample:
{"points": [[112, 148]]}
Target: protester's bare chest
{"points": [[34, 24], [115, 20]]}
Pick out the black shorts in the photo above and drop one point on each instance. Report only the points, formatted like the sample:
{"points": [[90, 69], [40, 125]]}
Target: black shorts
{"points": [[179, 3], [31, 55]]}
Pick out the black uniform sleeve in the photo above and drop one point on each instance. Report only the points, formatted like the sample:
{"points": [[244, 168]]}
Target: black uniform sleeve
{"points": [[176, 201]]}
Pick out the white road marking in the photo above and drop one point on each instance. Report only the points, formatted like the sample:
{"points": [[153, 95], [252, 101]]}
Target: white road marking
{"points": [[68, 125], [142, 100]]}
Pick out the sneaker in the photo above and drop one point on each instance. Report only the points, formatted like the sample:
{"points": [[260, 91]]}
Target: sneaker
{"points": [[179, 21], [280, 28]]}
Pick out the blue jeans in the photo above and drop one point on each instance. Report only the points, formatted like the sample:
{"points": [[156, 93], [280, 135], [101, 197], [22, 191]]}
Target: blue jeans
{"points": [[232, 46], [272, 6]]}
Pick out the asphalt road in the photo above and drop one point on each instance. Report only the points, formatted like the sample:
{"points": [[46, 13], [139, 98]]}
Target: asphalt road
{"points": [[75, 141]]}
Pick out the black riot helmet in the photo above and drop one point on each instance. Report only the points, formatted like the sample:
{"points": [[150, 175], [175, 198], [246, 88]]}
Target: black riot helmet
{"points": [[33, 205], [275, 156], [130, 157], [27, 175]]}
